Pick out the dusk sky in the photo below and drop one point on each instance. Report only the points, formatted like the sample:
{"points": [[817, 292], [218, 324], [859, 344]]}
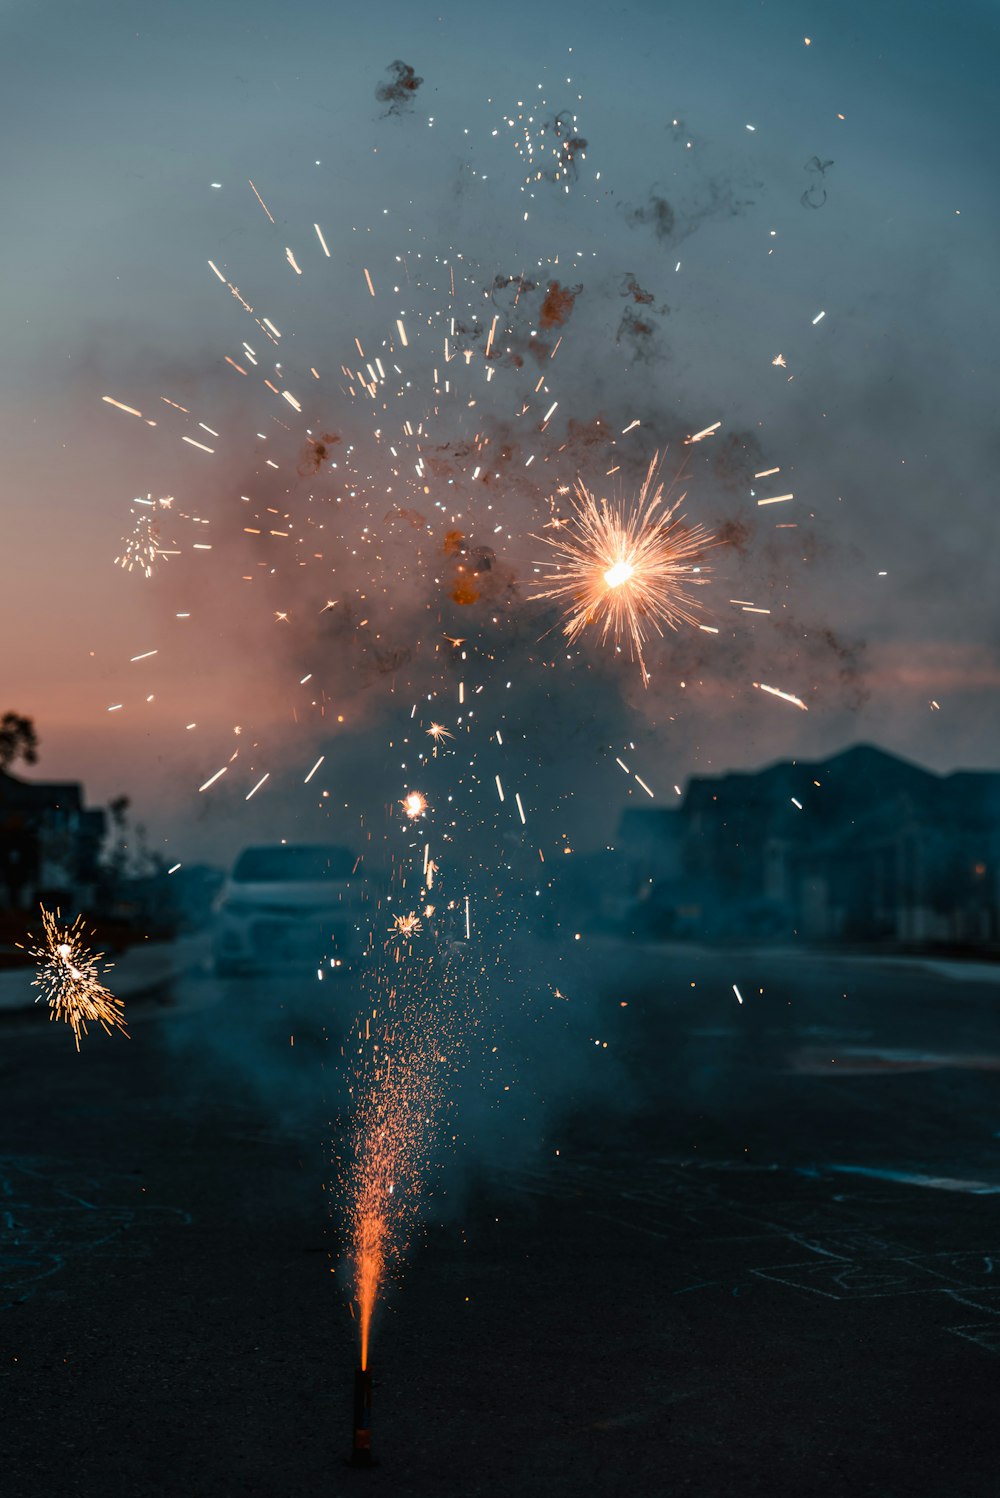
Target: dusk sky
{"points": [[747, 168]]}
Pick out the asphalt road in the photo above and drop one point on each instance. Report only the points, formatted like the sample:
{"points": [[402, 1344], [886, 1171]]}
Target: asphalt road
{"points": [[742, 1249]]}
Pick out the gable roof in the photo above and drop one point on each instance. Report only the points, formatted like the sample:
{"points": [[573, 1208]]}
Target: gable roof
{"points": [[859, 785]]}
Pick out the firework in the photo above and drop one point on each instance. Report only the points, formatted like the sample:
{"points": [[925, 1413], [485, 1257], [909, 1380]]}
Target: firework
{"points": [[396, 1126], [408, 1051], [141, 546], [414, 804], [625, 567], [438, 732], [371, 1229], [407, 925], [69, 976]]}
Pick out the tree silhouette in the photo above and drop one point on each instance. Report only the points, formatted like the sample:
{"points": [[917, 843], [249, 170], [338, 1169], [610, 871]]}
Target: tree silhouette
{"points": [[18, 740]]}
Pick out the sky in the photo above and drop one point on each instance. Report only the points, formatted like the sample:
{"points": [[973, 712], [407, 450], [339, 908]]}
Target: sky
{"points": [[747, 168]]}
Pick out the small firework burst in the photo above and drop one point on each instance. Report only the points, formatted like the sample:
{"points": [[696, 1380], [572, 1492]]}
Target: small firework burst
{"points": [[69, 976], [407, 925], [438, 732], [414, 804], [624, 568], [141, 546]]}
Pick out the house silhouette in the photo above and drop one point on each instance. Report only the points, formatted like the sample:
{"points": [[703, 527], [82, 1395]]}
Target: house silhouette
{"points": [[48, 840], [863, 846]]}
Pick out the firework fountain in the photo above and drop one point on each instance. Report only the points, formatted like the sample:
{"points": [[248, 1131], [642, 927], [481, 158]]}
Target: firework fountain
{"points": [[407, 1043], [625, 567], [421, 516]]}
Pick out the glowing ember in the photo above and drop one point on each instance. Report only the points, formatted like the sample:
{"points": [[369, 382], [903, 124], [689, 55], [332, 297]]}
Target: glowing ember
{"points": [[69, 976], [625, 568]]}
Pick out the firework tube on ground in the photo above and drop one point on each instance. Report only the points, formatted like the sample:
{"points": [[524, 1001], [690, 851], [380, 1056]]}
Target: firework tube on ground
{"points": [[361, 1443]]}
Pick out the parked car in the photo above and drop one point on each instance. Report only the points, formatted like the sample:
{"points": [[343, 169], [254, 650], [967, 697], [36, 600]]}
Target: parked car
{"points": [[289, 905]]}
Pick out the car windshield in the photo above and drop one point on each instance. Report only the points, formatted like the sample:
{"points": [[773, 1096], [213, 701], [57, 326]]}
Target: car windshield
{"points": [[293, 865]]}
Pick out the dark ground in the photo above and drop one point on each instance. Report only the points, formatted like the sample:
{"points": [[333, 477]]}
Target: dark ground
{"points": [[690, 1297]]}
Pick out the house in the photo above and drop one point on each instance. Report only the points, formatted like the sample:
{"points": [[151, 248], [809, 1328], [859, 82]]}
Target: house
{"points": [[864, 846], [49, 841]]}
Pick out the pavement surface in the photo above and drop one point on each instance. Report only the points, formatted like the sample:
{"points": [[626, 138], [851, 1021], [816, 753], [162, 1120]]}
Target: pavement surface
{"points": [[745, 1248]]}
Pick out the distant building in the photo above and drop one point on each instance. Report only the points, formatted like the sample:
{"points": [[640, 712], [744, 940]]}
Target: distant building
{"points": [[49, 841], [860, 847]]}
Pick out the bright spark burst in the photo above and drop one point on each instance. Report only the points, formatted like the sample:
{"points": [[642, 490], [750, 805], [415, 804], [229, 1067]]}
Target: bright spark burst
{"points": [[437, 732], [624, 568], [407, 925], [69, 976], [414, 804]]}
